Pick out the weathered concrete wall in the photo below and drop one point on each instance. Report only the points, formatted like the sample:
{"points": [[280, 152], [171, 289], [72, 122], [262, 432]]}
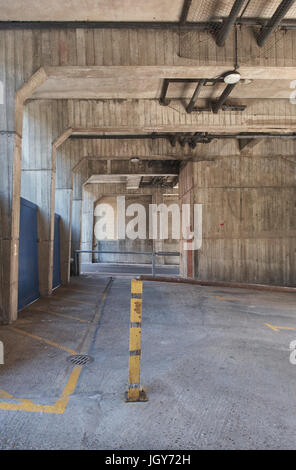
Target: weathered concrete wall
{"points": [[249, 219], [186, 197], [54, 47], [73, 168], [138, 116], [126, 244], [23, 52], [92, 193], [170, 244]]}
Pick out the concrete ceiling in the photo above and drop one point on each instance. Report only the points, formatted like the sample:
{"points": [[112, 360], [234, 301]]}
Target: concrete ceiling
{"points": [[91, 10], [206, 10], [129, 10], [146, 83]]}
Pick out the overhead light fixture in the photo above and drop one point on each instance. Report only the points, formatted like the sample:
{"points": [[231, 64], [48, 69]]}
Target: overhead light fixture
{"points": [[134, 160], [231, 78]]}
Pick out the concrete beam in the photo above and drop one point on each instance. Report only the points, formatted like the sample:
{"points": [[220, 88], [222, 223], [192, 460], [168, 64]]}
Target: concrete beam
{"points": [[133, 182], [146, 81], [257, 72]]}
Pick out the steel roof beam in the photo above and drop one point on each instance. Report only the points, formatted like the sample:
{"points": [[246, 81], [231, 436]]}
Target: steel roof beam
{"points": [[158, 25], [229, 22], [272, 24], [185, 11]]}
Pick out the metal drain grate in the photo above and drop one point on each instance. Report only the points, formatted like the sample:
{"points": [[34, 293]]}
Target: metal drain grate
{"points": [[80, 359]]}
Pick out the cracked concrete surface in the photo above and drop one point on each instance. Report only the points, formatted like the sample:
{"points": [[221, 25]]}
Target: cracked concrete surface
{"points": [[217, 377]]}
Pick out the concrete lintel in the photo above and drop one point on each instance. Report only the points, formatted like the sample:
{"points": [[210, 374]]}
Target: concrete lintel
{"points": [[177, 71]]}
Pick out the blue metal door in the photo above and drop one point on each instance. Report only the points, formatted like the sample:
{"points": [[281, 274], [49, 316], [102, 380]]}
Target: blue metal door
{"points": [[56, 278], [28, 281]]}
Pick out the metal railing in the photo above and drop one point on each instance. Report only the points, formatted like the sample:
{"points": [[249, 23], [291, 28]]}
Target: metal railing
{"points": [[153, 255]]}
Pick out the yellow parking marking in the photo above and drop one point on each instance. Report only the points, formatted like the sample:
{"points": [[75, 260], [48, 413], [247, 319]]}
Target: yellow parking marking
{"points": [[69, 388], [278, 328], [43, 340], [64, 299], [60, 405], [4, 394], [224, 298], [70, 317]]}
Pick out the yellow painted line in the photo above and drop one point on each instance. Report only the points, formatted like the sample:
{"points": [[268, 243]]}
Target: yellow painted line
{"points": [[27, 405], [69, 389], [4, 394], [70, 317], [43, 340], [224, 298], [64, 299], [60, 405], [278, 328]]}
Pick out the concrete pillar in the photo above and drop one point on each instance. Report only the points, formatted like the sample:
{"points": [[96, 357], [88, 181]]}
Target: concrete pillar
{"points": [[63, 202], [187, 266], [13, 93], [76, 225], [10, 158], [87, 218], [158, 244], [63, 207], [44, 121], [79, 176]]}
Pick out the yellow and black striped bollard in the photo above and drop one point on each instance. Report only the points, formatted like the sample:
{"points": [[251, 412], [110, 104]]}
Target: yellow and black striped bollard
{"points": [[135, 391]]}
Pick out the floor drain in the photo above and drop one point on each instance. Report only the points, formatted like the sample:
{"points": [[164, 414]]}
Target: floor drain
{"points": [[80, 359]]}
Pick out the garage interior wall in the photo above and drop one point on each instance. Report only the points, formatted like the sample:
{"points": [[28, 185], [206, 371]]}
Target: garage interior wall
{"points": [[123, 245], [256, 190]]}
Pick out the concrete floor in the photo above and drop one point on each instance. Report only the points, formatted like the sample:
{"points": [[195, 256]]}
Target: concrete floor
{"points": [[217, 377]]}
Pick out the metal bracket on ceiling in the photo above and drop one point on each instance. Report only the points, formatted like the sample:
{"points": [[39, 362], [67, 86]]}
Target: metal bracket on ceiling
{"points": [[224, 107], [274, 21], [201, 82]]}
